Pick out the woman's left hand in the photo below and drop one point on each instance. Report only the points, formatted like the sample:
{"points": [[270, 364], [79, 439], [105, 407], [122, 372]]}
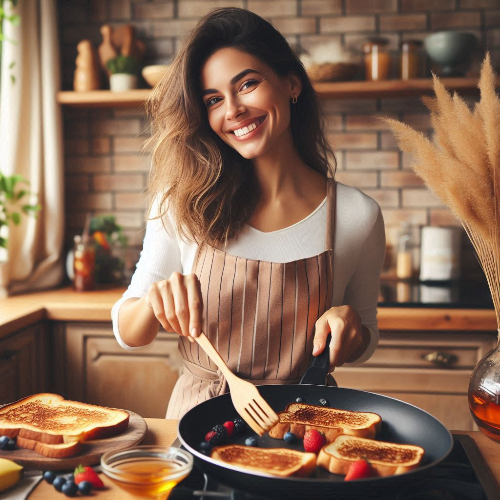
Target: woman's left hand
{"points": [[349, 337]]}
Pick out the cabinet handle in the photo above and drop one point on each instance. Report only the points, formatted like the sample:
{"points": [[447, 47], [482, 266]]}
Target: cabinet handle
{"points": [[7, 354], [440, 358]]}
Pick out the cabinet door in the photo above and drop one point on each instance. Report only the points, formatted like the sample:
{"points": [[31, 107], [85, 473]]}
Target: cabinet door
{"points": [[430, 370], [22, 363], [103, 373]]}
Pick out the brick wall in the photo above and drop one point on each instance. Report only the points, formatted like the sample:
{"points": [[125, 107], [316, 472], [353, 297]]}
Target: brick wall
{"points": [[106, 172]]}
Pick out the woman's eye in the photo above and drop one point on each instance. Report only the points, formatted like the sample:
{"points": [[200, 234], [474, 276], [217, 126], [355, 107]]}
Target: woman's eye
{"points": [[212, 101], [248, 84]]}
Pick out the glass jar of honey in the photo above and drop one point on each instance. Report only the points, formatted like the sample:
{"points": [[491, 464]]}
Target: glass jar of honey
{"points": [[84, 263], [410, 60], [377, 59]]}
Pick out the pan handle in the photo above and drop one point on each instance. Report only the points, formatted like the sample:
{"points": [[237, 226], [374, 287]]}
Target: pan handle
{"points": [[319, 367]]}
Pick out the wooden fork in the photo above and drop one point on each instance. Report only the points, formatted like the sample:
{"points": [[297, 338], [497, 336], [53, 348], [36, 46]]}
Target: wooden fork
{"points": [[247, 401]]}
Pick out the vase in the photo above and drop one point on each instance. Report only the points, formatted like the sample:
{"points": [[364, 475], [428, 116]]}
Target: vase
{"points": [[484, 394], [120, 82]]}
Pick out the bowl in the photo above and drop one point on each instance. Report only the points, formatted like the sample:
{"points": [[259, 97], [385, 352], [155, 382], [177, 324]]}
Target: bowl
{"points": [[154, 73], [452, 50], [148, 471]]}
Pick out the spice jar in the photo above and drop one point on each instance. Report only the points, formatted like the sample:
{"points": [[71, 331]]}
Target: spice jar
{"points": [[404, 268], [409, 63], [377, 59], [84, 263]]}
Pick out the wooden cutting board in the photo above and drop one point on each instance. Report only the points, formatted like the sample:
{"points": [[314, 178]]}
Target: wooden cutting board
{"points": [[90, 454]]}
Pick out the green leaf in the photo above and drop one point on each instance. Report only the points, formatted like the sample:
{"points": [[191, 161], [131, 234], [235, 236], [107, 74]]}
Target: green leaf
{"points": [[12, 64], [16, 218], [3, 242]]}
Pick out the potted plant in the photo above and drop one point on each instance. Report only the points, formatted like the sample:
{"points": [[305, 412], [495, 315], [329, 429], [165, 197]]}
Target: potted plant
{"points": [[124, 70], [13, 196]]}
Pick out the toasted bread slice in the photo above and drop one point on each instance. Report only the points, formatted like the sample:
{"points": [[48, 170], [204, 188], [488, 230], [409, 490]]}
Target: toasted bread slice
{"points": [[277, 461], [386, 458], [300, 417], [50, 419], [63, 450]]}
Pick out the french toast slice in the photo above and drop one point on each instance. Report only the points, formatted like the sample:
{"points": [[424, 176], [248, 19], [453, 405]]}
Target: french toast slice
{"points": [[62, 450], [276, 461], [300, 417], [387, 459], [49, 419]]}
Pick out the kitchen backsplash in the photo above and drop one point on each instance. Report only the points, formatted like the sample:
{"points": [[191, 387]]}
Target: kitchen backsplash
{"points": [[106, 170]]}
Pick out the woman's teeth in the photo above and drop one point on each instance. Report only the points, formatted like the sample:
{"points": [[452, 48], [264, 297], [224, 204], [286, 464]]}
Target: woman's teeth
{"points": [[245, 130]]}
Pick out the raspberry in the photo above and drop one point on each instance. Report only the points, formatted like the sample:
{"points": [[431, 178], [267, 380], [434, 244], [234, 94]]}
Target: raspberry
{"points": [[209, 436], [229, 427], [313, 441]]}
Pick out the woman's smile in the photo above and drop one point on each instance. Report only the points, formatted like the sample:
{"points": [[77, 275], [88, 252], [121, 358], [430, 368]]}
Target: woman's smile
{"points": [[248, 131]]}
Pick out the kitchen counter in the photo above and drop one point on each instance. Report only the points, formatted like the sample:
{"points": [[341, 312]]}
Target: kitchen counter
{"points": [[163, 433], [65, 304]]}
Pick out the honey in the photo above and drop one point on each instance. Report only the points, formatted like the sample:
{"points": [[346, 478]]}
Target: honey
{"points": [[148, 477], [485, 410]]}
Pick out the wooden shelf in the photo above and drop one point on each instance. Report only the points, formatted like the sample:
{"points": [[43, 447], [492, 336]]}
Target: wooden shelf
{"points": [[326, 90]]}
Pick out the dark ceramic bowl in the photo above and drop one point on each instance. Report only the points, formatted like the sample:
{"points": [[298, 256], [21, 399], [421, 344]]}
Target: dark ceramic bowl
{"points": [[452, 50]]}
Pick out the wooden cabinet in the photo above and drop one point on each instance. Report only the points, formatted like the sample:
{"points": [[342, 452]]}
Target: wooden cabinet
{"points": [[97, 370], [430, 370], [23, 365]]}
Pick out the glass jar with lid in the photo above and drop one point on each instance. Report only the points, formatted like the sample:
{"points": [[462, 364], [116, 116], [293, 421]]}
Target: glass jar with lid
{"points": [[377, 59], [410, 60]]}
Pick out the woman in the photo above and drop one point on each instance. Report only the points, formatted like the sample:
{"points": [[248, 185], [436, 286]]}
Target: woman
{"points": [[240, 239]]}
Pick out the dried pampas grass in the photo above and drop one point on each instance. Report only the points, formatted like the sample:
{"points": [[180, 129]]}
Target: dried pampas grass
{"points": [[462, 165]]}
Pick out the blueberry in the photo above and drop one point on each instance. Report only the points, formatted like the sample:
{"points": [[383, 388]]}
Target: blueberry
{"points": [[324, 402], [49, 476], [4, 442], [252, 441], [300, 400], [69, 488], [58, 483], [11, 444], [289, 437], [85, 487], [204, 446]]}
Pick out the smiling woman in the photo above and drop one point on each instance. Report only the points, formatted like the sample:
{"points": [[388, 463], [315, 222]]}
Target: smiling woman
{"points": [[244, 216]]}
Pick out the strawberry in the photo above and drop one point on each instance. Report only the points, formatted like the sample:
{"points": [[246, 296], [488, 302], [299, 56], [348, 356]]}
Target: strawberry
{"points": [[359, 469], [313, 440], [229, 427], [88, 474], [209, 436]]}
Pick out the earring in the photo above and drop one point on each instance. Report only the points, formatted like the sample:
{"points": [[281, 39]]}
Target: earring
{"points": [[294, 100]]}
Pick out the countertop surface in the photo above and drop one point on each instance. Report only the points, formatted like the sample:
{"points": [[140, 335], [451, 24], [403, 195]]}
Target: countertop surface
{"points": [[65, 304], [163, 432]]}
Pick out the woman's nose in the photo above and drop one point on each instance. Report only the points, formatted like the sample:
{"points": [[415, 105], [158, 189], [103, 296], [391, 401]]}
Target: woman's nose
{"points": [[234, 108]]}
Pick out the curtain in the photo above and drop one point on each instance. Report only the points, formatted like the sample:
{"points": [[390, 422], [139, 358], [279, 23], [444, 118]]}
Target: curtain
{"points": [[31, 143]]}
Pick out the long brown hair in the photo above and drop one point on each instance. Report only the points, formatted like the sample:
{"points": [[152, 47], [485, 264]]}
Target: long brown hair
{"points": [[210, 187]]}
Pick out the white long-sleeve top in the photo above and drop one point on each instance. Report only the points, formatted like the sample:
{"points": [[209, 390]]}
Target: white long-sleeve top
{"points": [[359, 251]]}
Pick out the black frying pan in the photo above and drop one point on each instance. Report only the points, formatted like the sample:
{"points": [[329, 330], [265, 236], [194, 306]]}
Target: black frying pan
{"points": [[401, 423]]}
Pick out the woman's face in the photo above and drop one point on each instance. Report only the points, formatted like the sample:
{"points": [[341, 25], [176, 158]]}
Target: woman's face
{"points": [[248, 104]]}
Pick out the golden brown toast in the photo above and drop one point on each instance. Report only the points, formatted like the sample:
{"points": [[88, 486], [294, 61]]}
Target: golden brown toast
{"points": [[386, 458], [276, 461], [49, 419], [300, 417]]}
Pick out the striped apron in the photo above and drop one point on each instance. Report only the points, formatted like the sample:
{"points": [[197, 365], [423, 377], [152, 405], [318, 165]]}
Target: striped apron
{"points": [[259, 315]]}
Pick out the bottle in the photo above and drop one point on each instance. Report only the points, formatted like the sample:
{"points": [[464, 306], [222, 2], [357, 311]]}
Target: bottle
{"points": [[84, 263], [409, 64], [404, 267], [377, 59]]}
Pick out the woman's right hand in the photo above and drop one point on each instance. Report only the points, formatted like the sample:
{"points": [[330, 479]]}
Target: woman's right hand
{"points": [[177, 304]]}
